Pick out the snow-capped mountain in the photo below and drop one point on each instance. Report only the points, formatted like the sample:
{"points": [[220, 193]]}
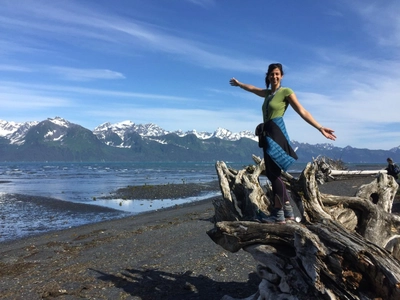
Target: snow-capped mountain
{"points": [[220, 133], [56, 139], [15, 132], [128, 126], [54, 129], [120, 134], [108, 133], [225, 134]]}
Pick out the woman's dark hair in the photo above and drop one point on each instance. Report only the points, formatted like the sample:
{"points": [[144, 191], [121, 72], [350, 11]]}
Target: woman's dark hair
{"points": [[271, 67]]}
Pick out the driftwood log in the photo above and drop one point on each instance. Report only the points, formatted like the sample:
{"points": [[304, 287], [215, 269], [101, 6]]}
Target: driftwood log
{"points": [[339, 248], [327, 168]]}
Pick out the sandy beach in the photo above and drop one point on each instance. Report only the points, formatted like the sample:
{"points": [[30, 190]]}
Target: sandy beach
{"points": [[157, 255]]}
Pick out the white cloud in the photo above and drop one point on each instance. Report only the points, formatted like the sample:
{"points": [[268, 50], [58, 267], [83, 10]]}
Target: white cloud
{"points": [[203, 3], [14, 68], [381, 20], [80, 24], [28, 89], [10, 101], [85, 74]]}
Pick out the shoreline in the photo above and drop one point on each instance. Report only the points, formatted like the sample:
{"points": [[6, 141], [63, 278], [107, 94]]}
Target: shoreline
{"points": [[120, 217], [151, 198], [62, 214], [25, 215]]}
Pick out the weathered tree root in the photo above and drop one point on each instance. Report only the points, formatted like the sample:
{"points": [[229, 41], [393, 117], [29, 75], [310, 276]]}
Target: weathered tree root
{"points": [[336, 252]]}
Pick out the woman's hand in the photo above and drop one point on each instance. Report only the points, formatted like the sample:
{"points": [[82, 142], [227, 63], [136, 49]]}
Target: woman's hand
{"points": [[248, 87], [328, 133], [234, 82]]}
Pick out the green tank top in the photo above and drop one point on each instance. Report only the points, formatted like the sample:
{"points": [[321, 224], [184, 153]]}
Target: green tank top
{"points": [[275, 105]]}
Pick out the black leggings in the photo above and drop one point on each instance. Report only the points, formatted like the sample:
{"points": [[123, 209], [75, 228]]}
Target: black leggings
{"points": [[274, 175]]}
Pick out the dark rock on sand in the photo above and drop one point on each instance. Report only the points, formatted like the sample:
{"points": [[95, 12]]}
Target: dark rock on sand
{"points": [[165, 191]]}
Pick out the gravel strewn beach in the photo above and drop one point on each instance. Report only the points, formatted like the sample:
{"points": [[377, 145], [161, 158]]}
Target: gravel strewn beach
{"points": [[158, 255]]}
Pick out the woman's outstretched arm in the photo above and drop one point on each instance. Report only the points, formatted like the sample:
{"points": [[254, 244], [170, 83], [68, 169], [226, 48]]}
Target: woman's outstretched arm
{"points": [[327, 132], [248, 87]]}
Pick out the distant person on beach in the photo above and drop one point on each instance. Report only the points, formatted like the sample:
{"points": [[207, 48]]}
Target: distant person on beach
{"points": [[392, 169], [273, 138]]}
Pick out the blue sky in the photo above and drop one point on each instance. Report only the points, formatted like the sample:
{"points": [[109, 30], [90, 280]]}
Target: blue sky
{"points": [[169, 62]]}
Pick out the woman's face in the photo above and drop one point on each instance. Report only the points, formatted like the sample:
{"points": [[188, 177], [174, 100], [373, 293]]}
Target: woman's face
{"points": [[275, 77]]}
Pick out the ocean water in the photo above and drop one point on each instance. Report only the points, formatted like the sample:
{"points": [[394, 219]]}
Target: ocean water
{"points": [[80, 182], [44, 196]]}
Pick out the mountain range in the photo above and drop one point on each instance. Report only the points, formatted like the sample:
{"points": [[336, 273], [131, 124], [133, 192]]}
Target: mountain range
{"points": [[56, 139]]}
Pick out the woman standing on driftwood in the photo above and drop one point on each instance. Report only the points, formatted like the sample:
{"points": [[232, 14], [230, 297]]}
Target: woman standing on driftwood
{"points": [[278, 154]]}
